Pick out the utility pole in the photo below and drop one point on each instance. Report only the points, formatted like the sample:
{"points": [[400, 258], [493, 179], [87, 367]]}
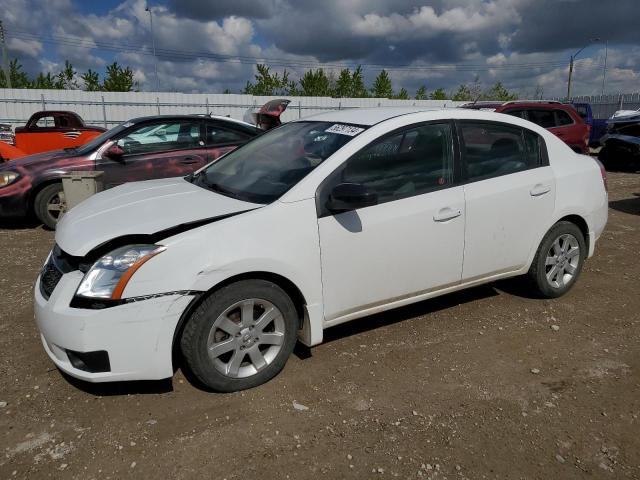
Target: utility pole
{"points": [[604, 70], [153, 44], [573, 57], [7, 70]]}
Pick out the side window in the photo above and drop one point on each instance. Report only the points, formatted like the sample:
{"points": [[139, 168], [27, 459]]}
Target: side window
{"points": [[544, 118], [217, 135], [408, 163], [45, 121], [516, 113], [159, 137], [491, 150], [563, 118]]}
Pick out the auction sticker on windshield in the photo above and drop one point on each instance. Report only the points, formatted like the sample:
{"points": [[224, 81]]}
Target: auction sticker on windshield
{"points": [[349, 130]]}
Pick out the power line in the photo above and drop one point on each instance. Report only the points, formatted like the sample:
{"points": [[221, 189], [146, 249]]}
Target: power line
{"points": [[241, 59]]}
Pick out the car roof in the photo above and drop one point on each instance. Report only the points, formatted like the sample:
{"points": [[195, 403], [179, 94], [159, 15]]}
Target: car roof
{"points": [[366, 116], [194, 116]]}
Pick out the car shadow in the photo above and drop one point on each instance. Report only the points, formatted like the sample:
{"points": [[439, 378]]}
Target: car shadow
{"points": [[627, 205], [401, 314], [109, 389], [19, 223]]}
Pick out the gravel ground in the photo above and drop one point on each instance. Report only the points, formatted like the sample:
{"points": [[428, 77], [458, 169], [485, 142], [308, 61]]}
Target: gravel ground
{"points": [[485, 383]]}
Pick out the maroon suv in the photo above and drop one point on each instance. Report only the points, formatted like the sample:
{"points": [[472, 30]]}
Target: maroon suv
{"points": [[140, 149], [561, 119]]}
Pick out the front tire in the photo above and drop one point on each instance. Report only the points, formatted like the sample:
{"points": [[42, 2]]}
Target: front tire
{"points": [[240, 336], [49, 204], [558, 261]]}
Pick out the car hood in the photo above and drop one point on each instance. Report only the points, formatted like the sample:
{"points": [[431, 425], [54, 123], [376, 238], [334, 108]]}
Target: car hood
{"points": [[39, 158], [141, 208]]}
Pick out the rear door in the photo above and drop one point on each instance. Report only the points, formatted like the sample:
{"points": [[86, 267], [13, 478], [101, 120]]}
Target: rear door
{"points": [[158, 149], [509, 194], [411, 242]]}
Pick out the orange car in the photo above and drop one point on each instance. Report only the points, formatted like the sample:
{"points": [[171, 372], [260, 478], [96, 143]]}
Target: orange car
{"points": [[49, 130]]}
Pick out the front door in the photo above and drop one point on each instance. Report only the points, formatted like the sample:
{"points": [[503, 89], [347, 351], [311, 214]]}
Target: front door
{"points": [[411, 242], [160, 149]]}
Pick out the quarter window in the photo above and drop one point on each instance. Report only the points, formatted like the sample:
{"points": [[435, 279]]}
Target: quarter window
{"points": [[217, 136], [563, 118], [544, 118], [408, 163], [492, 150]]}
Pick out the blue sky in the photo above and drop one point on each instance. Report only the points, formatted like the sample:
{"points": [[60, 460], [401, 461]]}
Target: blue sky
{"points": [[526, 44]]}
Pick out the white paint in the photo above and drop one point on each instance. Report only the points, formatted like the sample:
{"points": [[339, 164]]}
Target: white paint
{"points": [[346, 266]]}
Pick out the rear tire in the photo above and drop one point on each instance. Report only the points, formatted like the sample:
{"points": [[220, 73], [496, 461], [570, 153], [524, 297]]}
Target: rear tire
{"points": [[240, 336], [558, 261], [49, 204]]}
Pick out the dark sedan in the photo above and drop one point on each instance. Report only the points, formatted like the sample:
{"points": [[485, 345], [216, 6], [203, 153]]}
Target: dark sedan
{"points": [[140, 149]]}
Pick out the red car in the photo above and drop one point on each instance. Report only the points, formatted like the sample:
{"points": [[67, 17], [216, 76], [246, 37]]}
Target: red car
{"points": [[561, 119], [140, 149]]}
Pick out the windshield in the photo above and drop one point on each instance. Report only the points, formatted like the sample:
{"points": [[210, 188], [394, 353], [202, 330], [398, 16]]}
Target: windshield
{"points": [[100, 139], [265, 168]]}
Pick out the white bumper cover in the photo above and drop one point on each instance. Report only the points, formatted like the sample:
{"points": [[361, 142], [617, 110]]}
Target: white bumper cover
{"points": [[137, 336]]}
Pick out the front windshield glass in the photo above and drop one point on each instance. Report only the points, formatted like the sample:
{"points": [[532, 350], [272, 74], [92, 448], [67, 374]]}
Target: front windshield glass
{"points": [[100, 139], [265, 168]]}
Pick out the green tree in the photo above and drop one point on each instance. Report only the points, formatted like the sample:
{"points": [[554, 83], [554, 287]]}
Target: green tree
{"points": [[462, 95], [43, 81], [91, 81], [438, 94], [66, 79], [344, 84], [267, 83], [118, 79], [402, 94], [499, 92], [315, 84], [19, 79], [382, 87], [421, 93]]}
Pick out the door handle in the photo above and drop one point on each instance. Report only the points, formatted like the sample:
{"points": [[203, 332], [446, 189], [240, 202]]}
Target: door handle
{"points": [[539, 190], [188, 161], [445, 214]]}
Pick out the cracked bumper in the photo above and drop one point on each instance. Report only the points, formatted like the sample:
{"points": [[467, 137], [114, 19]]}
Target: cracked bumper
{"points": [[138, 337]]}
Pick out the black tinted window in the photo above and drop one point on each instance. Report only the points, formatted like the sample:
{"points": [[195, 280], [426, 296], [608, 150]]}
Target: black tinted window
{"points": [[563, 118], [405, 164], [544, 118], [492, 150], [217, 135], [516, 113]]}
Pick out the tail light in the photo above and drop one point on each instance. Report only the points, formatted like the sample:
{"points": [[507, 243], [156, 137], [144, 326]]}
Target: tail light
{"points": [[603, 173]]}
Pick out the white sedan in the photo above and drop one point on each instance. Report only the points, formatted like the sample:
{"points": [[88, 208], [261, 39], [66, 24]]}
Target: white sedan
{"points": [[318, 222]]}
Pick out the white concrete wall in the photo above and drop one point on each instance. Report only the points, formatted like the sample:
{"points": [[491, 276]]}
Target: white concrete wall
{"points": [[110, 108]]}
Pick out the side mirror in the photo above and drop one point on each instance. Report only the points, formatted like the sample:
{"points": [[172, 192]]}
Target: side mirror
{"points": [[350, 196], [114, 152]]}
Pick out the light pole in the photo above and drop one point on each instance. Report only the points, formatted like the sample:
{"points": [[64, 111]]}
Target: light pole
{"points": [[573, 57], [604, 70], [153, 44]]}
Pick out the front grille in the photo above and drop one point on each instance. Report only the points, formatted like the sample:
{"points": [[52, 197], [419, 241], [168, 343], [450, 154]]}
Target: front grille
{"points": [[59, 263], [49, 278]]}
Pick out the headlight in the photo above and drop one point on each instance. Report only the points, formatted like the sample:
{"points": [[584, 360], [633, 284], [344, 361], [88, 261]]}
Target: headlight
{"points": [[108, 277], [7, 177]]}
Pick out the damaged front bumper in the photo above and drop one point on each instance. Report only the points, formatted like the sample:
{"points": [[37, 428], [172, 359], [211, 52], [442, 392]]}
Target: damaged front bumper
{"points": [[132, 341]]}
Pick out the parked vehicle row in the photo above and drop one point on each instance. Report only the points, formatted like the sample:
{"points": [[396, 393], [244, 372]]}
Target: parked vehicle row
{"points": [[312, 224], [563, 120], [621, 142]]}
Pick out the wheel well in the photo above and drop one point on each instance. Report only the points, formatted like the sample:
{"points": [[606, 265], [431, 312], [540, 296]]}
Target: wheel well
{"points": [[581, 223], [37, 189], [287, 285]]}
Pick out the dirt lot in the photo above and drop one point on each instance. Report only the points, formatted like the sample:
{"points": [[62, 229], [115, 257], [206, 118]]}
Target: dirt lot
{"points": [[481, 384]]}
